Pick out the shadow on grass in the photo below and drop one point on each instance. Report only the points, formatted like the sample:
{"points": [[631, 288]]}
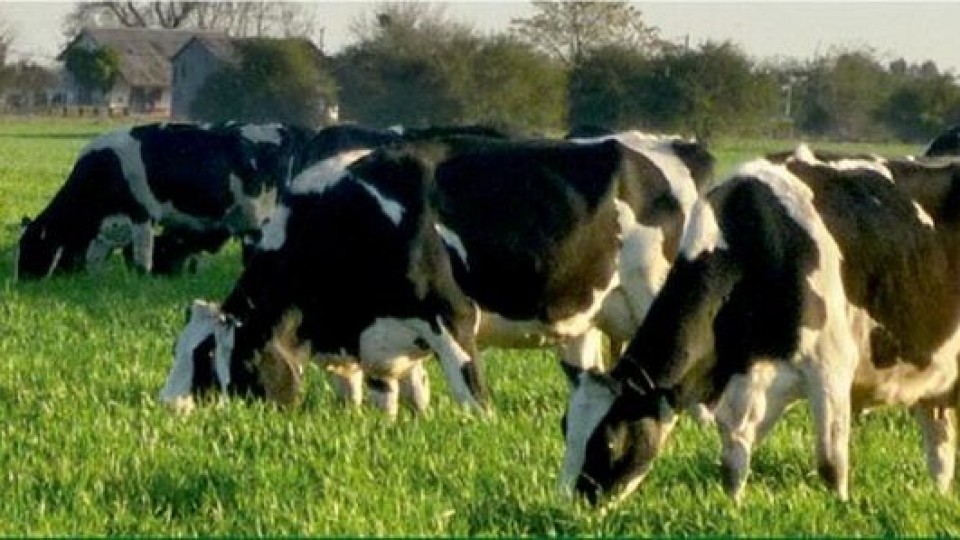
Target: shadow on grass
{"points": [[181, 495]]}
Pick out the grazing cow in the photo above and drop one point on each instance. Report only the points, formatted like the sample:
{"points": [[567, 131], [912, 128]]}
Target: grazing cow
{"points": [[548, 237], [219, 180], [356, 254], [796, 279], [945, 144]]}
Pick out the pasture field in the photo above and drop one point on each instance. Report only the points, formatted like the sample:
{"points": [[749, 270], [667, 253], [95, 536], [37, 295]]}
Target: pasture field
{"points": [[85, 449]]}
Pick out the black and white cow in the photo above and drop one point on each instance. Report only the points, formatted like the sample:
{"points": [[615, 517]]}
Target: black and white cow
{"points": [[356, 252], [945, 144], [797, 279], [202, 184], [550, 238]]}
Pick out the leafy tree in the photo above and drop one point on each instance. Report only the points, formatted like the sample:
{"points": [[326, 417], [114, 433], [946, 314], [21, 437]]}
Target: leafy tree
{"points": [[922, 102], [512, 85], [569, 30], [842, 95], [94, 69], [275, 80], [605, 90], [412, 66]]}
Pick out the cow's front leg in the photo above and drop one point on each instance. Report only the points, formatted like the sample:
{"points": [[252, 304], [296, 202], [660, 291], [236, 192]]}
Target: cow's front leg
{"points": [[829, 388], [415, 388], [749, 406], [142, 238], [460, 367], [939, 425]]}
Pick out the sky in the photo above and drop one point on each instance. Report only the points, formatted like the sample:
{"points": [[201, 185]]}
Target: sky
{"points": [[916, 31]]}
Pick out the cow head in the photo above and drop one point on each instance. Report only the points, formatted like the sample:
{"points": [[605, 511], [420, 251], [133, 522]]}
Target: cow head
{"points": [[39, 251], [207, 360], [613, 430], [201, 356]]}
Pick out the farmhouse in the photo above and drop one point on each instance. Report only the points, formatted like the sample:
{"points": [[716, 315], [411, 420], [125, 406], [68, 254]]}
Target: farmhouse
{"points": [[144, 80]]}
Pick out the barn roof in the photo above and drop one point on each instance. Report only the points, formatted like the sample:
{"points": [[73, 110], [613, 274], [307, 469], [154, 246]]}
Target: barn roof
{"points": [[145, 54], [220, 46]]}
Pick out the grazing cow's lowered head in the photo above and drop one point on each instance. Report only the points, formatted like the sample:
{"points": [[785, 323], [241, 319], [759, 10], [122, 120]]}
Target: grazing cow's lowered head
{"points": [[39, 251], [204, 364], [619, 429]]}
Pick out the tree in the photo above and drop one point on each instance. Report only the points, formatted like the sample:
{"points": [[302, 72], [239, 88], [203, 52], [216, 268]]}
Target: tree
{"points": [[568, 30], [94, 70], [274, 81]]}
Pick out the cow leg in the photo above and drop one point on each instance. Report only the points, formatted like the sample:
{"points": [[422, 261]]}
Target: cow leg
{"points": [[384, 394], [584, 352], [142, 235], [750, 405], [348, 385], [415, 388], [460, 367], [829, 388], [939, 425]]}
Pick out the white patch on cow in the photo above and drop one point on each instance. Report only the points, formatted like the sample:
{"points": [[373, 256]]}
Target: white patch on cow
{"points": [[590, 403], [325, 174], [643, 270], [263, 133], [702, 233], [873, 163], [452, 240], [923, 216], [202, 324], [115, 231], [389, 352], [274, 231], [390, 208], [127, 150], [388, 348], [225, 334]]}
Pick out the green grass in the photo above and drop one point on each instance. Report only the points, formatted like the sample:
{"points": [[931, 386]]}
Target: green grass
{"points": [[86, 450]]}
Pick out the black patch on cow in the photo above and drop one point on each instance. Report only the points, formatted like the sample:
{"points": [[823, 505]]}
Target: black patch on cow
{"points": [[945, 144], [204, 374], [894, 266], [538, 223]]}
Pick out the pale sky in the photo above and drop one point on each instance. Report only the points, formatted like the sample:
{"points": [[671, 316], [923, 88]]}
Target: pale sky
{"points": [[917, 31]]}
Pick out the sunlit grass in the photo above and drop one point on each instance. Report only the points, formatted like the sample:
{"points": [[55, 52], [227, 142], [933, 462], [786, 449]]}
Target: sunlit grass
{"points": [[85, 449]]}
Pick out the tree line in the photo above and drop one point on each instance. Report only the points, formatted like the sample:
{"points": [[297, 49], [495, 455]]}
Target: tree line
{"points": [[569, 64]]}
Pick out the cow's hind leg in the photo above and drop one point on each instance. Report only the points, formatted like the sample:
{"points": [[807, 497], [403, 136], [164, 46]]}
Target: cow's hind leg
{"points": [[829, 390], [347, 384], [415, 388], [939, 425], [384, 394], [750, 405]]}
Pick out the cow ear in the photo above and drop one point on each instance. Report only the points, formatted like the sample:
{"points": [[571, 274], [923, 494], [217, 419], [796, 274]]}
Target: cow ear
{"points": [[25, 222]]}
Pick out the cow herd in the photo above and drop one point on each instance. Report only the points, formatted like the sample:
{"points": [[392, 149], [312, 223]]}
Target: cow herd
{"points": [[804, 275]]}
